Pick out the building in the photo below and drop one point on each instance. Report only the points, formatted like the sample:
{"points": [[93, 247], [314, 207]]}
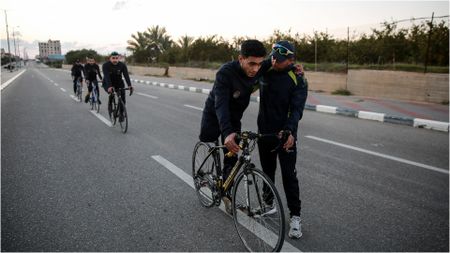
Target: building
{"points": [[52, 47]]}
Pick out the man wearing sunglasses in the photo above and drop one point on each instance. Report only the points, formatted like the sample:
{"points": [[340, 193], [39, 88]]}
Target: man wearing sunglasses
{"points": [[282, 100], [113, 70]]}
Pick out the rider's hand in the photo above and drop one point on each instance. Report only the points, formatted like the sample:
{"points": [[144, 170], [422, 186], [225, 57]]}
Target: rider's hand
{"points": [[110, 89], [290, 141], [231, 144], [299, 69]]}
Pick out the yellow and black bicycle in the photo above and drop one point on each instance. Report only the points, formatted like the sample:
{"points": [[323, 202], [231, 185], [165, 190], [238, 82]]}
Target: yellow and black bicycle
{"points": [[256, 205]]}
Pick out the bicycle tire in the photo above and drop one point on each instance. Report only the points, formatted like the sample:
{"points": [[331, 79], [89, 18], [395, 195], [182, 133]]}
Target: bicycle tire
{"points": [[258, 228], [204, 174], [124, 122]]}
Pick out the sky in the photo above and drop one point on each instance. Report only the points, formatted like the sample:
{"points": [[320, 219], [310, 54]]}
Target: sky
{"points": [[107, 25]]}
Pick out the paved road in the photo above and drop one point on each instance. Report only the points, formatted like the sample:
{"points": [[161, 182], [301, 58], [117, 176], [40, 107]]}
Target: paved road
{"points": [[72, 183]]}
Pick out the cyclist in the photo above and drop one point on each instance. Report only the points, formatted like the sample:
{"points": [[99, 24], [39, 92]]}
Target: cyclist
{"points": [[283, 97], [91, 70], [76, 72], [113, 70], [228, 99]]}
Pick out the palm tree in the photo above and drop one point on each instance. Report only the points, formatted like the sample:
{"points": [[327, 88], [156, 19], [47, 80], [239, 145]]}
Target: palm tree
{"points": [[185, 43], [158, 41], [139, 47]]}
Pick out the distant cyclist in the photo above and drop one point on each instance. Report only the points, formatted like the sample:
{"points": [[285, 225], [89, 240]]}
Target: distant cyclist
{"points": [[91, 70], [77, 72], [113, 70]]}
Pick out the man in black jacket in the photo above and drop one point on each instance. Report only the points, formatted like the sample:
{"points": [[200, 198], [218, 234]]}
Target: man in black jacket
{"points": [[230, 96], [282, 100], [91, 70], [76, 72], [113, 70]]}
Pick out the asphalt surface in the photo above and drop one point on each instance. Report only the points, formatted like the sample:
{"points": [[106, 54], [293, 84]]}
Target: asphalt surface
{"points": [[69, 182]]}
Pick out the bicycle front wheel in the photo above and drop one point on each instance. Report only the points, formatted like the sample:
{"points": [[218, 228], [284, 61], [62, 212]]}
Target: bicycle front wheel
{"points": [[123, 116], [204, 173], [258, 212]]}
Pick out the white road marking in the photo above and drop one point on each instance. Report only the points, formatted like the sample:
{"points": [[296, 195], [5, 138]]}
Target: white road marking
{"points": [[56, 84], [103, 119], [11, 80], [74, 98], [194, 107], [425, 166], [287, 247], [64, 90], [146, 95]]}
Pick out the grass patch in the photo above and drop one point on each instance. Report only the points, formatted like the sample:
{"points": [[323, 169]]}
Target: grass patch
{"points": [[342, 92]]}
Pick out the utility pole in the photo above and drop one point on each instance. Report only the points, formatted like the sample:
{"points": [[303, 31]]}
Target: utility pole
{"points": [[7, 37], [348, 45], [315, 51], [428, 44]]}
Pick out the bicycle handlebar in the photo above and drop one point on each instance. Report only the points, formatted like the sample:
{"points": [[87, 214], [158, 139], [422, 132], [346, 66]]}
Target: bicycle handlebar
{"points": [[252, 136]]}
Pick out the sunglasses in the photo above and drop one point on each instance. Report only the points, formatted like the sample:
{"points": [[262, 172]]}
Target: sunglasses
{"points": [[282, 50]]}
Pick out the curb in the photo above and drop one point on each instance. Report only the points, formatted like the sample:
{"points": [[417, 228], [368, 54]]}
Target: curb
{"points": [[381, 117]]}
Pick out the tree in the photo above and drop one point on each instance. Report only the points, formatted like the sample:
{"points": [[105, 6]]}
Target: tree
{"points": [[81, 55], [158, 41], [139, 47]]}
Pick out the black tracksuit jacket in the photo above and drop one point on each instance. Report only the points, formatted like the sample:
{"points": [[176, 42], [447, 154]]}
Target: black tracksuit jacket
{"points": [[282, 100], [228, 100]]}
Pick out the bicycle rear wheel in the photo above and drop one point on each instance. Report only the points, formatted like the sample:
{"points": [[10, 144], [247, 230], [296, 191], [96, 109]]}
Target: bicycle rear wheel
{"points": [[123, 116], [258, 212], [204, 174]]}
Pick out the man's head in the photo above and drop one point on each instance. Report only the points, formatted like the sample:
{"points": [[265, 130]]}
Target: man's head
{"points": [[77, 61], [284, 54], [114, 57], [251, 56], [90, 59]]}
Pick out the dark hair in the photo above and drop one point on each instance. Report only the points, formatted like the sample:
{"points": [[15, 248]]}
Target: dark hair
{"points": [[90, 56], [253, 48]]}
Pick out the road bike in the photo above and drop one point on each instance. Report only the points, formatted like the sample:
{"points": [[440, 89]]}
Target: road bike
{"points": [[117, 109], [256, 206]]}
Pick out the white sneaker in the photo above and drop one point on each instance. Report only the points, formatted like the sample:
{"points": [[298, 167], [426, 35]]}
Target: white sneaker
{"points": [[295, 227]]}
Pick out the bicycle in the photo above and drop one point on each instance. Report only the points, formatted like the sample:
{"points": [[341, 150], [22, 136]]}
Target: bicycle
{"points": [[256, 205], [93, 98], [79, 92], [118, 109]]}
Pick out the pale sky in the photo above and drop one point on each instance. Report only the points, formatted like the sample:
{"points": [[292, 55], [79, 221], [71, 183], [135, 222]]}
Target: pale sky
{"points": [[106, 25]]}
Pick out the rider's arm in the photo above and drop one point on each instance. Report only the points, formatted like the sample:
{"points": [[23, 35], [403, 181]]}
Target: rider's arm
{"points": [[297, 104], [222, 103], [98, 71], [106, 77], [125, 75]]}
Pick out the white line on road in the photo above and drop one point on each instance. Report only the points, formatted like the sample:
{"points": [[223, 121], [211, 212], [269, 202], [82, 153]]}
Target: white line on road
{"points": [[146, 95], [74, 98], [64, 90], [287, 247], [103, 119], [425, 166], [11, 80], [194, 107], [56, 84]]}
